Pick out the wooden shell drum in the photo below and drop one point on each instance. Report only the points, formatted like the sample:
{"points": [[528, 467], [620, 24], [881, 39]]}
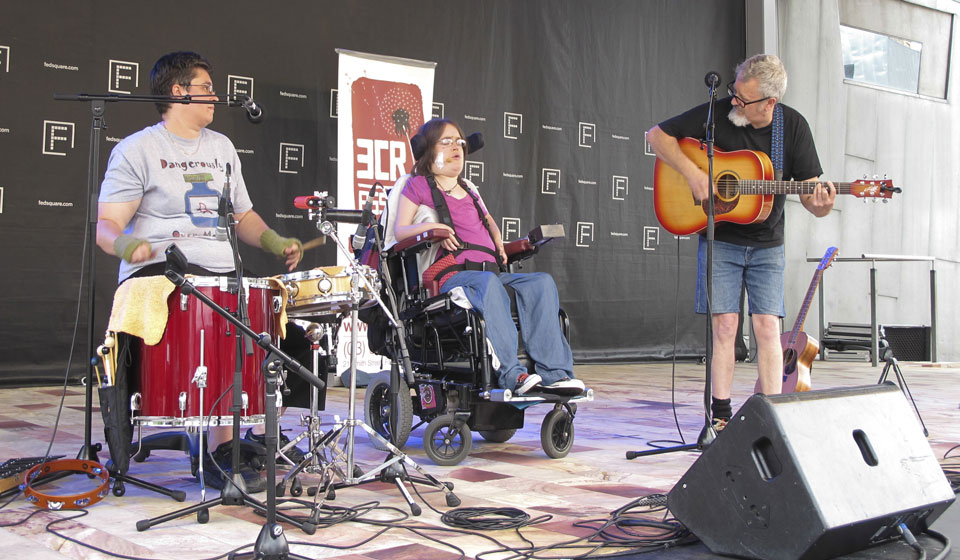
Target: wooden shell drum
{"points": [[195, 337]]}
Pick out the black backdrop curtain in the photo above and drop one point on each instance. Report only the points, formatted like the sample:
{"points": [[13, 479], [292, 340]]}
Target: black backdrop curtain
{"points": [[563, 91]]}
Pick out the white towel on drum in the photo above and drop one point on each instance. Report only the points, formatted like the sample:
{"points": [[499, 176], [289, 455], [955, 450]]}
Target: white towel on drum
{"points": [[140, 308]]}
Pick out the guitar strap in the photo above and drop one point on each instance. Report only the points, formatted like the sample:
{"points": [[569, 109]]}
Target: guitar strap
{"points": [[776, 142]]}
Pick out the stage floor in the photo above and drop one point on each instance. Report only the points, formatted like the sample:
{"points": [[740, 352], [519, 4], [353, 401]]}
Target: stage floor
{"points": [[632, 408]]}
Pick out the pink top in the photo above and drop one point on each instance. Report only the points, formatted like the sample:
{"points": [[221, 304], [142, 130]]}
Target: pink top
{"points": [[466, 221]]}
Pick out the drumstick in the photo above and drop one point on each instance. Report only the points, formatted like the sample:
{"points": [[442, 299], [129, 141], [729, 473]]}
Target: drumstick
{"points": [[313, 243]]}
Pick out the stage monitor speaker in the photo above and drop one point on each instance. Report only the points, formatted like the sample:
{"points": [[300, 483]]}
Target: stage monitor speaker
{"points": [[813, 475]]}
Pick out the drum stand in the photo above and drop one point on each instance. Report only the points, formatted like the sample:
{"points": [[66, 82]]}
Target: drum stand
{"points": [[393, 468], [271, 543]]}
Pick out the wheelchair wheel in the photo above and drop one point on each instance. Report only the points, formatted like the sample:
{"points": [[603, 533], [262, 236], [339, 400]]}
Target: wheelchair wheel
{"points": [[446, 442], [376, 409], [497, 436], [557, 433]]}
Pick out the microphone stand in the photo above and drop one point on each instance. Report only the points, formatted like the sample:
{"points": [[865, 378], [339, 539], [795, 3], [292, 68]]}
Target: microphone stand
{"points": [[98, 102], [271, 542], [708, 434]]}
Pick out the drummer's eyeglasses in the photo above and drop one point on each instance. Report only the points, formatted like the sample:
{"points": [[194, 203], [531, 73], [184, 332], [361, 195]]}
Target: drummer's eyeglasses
{"points": [[732, 91], [449, 141], [207, 87]]}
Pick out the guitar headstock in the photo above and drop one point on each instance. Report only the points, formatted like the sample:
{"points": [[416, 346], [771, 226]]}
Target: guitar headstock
{"points": [[873, 188], [827, 259]]}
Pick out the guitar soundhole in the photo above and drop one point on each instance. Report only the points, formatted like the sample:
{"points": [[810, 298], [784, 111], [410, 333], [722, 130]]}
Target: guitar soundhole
{"points": [[727, 186], [727, 194]]}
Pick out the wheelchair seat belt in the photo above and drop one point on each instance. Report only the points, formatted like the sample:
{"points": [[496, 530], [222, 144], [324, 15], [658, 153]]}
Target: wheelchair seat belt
{"points": [[449, 266]]}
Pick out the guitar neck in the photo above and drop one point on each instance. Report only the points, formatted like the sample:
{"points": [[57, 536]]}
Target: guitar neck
{"points": [[807, 300], [753, 186]]}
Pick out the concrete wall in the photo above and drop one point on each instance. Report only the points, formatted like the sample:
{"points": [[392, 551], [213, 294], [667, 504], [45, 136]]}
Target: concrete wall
{"points": [[860, 130]]}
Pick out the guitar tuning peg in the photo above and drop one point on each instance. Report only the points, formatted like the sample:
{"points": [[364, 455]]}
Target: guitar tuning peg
{"points": [[875, 177], [885, 201]]}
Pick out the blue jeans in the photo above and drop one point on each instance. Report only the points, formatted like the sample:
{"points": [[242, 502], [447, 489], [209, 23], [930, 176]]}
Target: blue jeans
{"points": [[733, 265], [538, 307]]}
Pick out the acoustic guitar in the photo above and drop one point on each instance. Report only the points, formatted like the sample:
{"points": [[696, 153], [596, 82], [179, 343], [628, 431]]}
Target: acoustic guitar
{"points": [[799, 349], [745, 189]]}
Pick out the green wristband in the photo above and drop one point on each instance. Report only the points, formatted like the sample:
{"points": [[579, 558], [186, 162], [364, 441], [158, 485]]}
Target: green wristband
{"points": [[272, 243], [124, 245]]}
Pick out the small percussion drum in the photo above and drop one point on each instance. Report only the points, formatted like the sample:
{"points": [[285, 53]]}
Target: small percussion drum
{"points": [[169, 395], [326, 290]]}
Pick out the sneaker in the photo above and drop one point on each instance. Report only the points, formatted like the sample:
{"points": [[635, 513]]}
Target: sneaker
{"points": [[566, 387], [526, 382], [214, 478], [293, 453], [719, 424]]}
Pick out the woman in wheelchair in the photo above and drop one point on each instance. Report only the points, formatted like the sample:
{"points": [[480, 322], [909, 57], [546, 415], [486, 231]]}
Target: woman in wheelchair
{"points": [[476, 263]]}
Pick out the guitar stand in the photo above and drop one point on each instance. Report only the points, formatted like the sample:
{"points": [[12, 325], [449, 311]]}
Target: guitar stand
{"points": [[886, 354]]}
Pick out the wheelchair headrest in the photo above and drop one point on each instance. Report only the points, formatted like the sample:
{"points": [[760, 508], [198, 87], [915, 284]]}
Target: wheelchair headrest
{"points": [[418, 144]]}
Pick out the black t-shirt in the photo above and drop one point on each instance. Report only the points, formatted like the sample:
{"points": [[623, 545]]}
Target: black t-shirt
{"points": [[800, 162]]}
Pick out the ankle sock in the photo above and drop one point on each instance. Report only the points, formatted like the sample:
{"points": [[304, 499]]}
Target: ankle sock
{"points": [[721, 408]]}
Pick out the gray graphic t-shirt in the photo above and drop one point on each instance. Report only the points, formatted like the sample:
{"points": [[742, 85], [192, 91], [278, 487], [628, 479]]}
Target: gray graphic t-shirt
{"points": [[177, 181]]}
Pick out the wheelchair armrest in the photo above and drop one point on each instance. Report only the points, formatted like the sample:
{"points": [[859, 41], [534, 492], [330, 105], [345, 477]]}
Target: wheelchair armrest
{"points": [[528, 246], [421, 241]]}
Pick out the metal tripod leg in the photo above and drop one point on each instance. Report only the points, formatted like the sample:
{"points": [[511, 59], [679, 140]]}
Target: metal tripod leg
{"points": [[891, 364]]}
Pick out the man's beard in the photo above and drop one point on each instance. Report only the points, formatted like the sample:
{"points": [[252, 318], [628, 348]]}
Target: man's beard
{"points": [[737, 117]]}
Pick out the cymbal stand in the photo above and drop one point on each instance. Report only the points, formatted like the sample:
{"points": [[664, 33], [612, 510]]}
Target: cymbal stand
{"points": [[315, 461], [393, 468]]}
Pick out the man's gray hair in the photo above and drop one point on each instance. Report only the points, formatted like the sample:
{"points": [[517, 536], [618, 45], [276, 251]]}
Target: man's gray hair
{"points": [[769, 72]]}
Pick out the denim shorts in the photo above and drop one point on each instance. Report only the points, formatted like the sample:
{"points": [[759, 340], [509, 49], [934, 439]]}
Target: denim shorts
{"points": [[734, 265]]}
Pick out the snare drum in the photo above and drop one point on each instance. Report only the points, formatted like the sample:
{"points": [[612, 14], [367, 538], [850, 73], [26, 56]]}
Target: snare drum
{"points": [[326, 290], [168, 394]]}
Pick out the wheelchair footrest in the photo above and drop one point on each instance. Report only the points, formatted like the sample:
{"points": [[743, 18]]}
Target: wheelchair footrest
{"points": [[506, 395]]}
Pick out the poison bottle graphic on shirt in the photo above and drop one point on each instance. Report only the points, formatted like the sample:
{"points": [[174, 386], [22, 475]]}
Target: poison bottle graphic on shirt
{"points": [[200, 202]]}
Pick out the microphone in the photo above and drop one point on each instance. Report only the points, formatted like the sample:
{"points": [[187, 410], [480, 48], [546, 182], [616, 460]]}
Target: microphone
{"points": [[222, 208], [254, 111], [712, 79], [361, 236]]}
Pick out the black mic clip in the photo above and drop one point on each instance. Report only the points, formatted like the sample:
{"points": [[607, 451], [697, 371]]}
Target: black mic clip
{"points": [[712, 79]]}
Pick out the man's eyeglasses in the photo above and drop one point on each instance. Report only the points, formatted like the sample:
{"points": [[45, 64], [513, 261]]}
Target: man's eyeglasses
{"points": [[733, 93], [449, 141], [207, 87]]}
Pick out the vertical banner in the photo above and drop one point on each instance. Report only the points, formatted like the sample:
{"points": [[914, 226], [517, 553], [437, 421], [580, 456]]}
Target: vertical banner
{"points": [[382, 101]]}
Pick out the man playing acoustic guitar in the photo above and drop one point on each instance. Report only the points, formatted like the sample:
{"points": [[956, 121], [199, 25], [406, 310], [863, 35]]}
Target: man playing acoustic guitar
{"points": [[750, 252]]}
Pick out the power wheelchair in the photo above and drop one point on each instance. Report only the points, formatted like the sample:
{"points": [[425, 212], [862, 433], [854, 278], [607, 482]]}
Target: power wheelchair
{"points": [[455, 390]]}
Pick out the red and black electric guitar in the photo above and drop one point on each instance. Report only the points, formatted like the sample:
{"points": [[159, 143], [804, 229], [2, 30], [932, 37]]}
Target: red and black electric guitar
{"points": [[745, 189], [799, 349]]}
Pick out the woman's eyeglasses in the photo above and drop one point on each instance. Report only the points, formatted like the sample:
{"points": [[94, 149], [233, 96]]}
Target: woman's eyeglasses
{"points": [[449, 141]]}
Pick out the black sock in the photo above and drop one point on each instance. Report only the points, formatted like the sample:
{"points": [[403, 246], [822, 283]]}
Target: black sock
{"points": [[721, 408]]}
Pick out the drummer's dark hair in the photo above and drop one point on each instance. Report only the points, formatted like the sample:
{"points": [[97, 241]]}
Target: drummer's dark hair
{"points": [[175, 68]]}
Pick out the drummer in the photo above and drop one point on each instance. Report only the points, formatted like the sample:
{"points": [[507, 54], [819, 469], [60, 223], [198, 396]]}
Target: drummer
{"points": [[162, 185]]}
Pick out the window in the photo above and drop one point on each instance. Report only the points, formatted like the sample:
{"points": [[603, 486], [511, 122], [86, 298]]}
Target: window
{"points": [[897, 45], [880, 60]]}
